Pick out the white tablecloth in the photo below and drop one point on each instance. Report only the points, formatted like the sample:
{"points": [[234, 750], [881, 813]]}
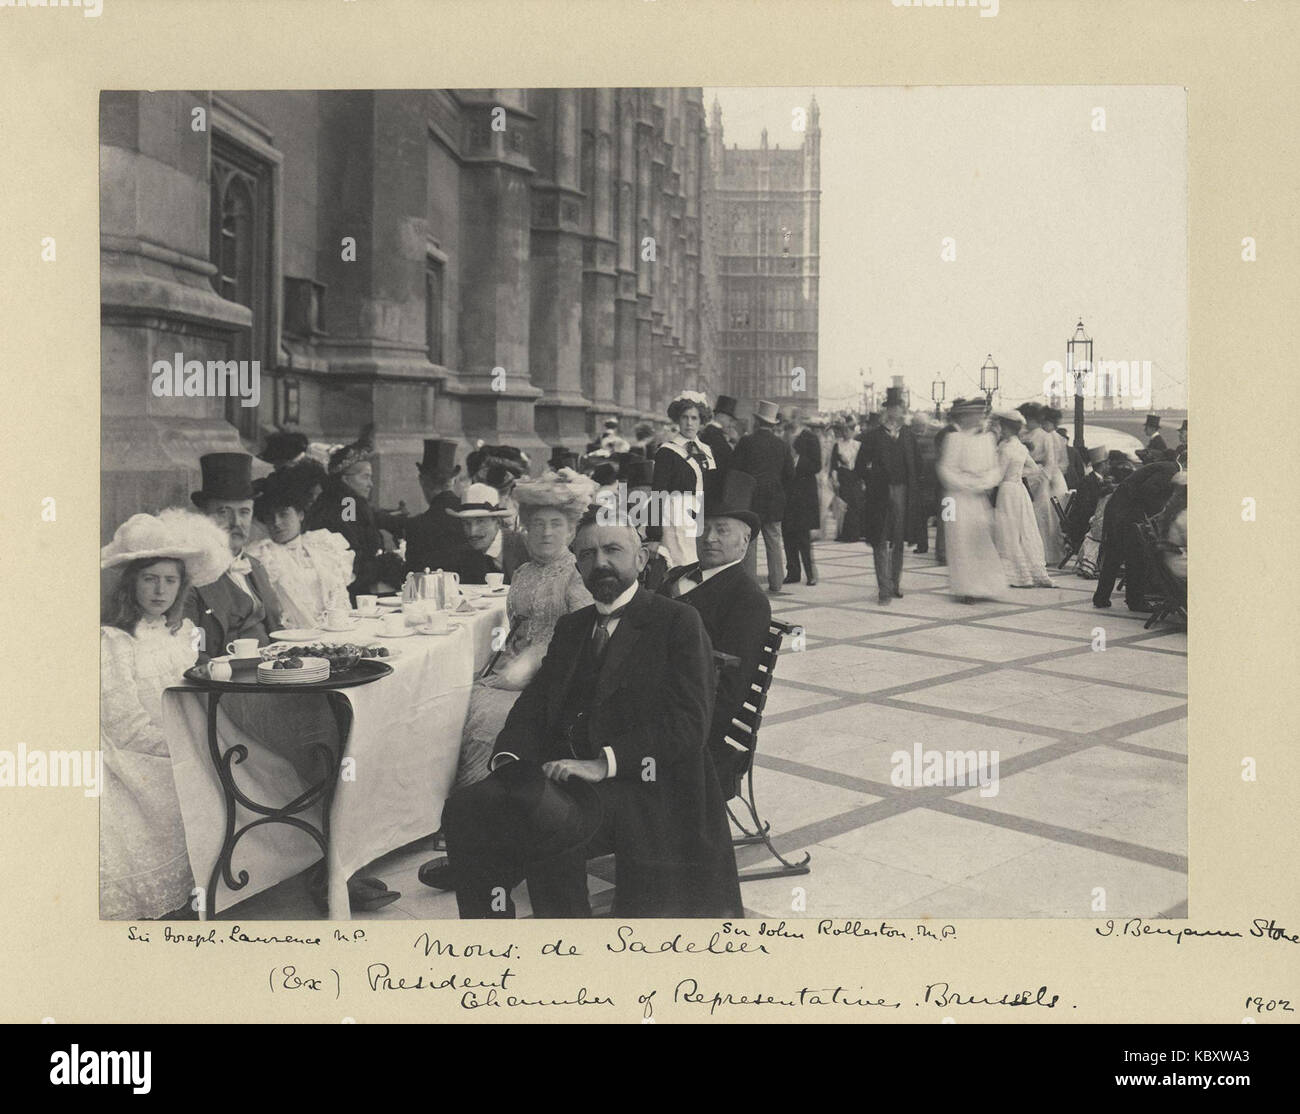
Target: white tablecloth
{"points": [[404, 744]]}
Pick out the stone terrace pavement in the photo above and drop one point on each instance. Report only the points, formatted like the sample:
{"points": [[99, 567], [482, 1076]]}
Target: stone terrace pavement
{"points": [[1092, 789]]}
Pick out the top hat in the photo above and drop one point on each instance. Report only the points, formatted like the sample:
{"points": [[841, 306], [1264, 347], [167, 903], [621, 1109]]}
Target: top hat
{"points": [[439, 459], [562, 458], [766, 413], [481, 501], [283, 446], [1097, 454], [605, 473], [226, 476], [636, 471], [725, 405], [729, 495], [1152, 422], [540, 818], [894, 396]]}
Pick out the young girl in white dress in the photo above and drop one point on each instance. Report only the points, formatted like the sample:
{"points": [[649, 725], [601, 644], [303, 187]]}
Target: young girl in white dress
{"points": [[1015, 527], [145, 646]]}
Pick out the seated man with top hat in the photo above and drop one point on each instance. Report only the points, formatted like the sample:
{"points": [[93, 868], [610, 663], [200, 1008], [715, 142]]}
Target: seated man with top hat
{"points": [[1092, 487], [734, 609], [241, 603], [433, 540], [487, 545], [603, 751]]}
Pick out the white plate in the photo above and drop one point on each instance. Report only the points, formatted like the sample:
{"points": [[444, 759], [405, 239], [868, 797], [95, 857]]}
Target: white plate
{"points": [[366, 614], [405, 634], [452, 628], [301, 634], [390, 601], [347, 628]]}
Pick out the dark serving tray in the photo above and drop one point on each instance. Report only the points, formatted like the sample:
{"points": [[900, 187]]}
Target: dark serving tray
{"points": [[363, 673]]}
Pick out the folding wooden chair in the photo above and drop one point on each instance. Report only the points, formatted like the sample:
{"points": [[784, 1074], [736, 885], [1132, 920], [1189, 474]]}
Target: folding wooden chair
{"points": [[1173, 592], [745, 733], [1061, 512]]}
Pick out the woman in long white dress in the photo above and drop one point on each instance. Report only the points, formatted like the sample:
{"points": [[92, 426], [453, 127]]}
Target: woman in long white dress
{"points": [[145, 645], [1047, 451], [967, 470], [1015, 527], [309, 571]]}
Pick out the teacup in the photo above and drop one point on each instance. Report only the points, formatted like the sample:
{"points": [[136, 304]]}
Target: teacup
{"points": [[494, 580], [219, 669], [436, 622], [368, 605], [242, 648], [333, 618]]}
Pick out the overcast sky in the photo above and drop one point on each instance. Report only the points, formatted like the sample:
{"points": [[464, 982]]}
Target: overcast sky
{"points": [[1052, 219]]}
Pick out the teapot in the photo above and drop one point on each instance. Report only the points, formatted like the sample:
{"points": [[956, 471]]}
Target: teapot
{"points": [[438, 588]]}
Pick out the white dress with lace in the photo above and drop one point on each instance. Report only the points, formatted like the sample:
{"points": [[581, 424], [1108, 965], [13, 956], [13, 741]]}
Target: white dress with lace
{"points": [[309, 573], [144, 866], [1015, 526]]}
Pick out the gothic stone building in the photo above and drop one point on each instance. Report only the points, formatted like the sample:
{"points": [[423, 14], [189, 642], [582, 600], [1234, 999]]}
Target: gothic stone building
{"points": [[508, 264], [766, 204]]}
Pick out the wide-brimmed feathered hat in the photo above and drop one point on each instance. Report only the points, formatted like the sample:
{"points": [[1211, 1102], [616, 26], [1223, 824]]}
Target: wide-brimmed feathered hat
{"points": [[191, 538], [566, 490]]}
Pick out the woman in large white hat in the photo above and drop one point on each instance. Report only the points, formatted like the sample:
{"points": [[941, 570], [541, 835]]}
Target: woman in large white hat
{"points": [[145, 645], [967, 470], [678, 482], [1015, 526]]}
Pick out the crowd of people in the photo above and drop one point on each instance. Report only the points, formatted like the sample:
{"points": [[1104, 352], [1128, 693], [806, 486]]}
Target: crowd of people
{"points": [[603, 722]]}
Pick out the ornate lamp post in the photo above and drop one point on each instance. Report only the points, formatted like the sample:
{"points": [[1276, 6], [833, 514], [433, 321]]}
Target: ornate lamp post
{"points": [[989, 382], [1078, 363], [937, 389]]}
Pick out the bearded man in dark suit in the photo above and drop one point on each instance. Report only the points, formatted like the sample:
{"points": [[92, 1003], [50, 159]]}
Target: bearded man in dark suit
{"points": [[736, 614], [603, 751], [242, 603]]}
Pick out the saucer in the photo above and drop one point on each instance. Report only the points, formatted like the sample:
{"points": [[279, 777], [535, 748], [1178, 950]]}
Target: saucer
{"points": [[375, 614], [452, 628], [406, 633], [296, 634], [349, 626]]}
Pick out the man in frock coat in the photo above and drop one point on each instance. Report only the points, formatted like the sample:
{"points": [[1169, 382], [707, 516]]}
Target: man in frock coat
{"points": [[433, 539], [765, 456], [622, 703], [889, 466], [736, 614]]}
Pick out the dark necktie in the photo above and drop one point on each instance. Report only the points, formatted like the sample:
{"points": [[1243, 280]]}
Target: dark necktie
{"points": [[694, 451], [600, 637]]}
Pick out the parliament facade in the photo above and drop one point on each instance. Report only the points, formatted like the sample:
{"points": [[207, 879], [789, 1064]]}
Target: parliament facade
{"points": [[766, 205], [515, 265]]}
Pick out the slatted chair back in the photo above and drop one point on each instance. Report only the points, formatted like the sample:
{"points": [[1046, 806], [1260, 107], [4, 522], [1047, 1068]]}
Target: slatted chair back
{"points": [[746, 722], [1173, 590]]}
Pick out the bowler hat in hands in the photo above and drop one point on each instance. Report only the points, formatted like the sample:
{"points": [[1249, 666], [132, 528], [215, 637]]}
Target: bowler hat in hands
{"points": [[226, 476]]}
